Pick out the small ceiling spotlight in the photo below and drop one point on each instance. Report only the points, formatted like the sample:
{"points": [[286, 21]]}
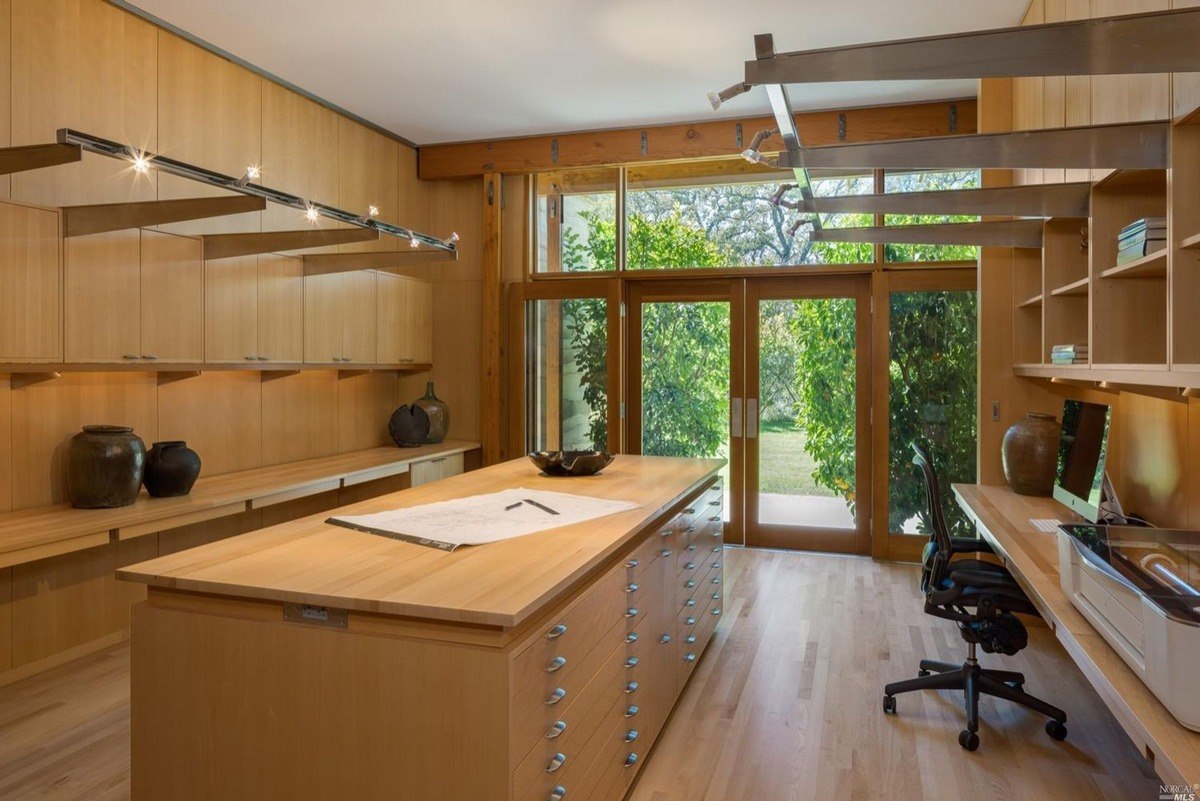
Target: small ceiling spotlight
{"points": [[413, 241], [141, 164], [453, 238], [777, 198], [715, 99], [253, 173], [312, 214], [372, 212], [752, 154], [798, 224]]}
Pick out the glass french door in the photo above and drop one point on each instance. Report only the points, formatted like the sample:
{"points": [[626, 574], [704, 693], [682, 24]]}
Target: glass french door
{"points": [[807, 414]]}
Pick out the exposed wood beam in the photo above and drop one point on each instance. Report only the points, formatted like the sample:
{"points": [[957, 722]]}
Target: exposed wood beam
{"points": [[320, 263], [493, 315], [81, 220], [1034, 200], [1016, 234], [714, 139], [1139, 145], [34, 157], [226, 246], [1161, 41]]}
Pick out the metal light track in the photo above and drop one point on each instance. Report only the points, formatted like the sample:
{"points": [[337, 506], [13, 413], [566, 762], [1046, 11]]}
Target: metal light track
{"points": [[1161, 41], [105, 147], [1035, 200], [1140, 145], [1015, 234]]}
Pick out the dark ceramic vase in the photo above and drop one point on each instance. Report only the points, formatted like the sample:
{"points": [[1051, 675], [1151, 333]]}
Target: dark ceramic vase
{"points": [[1030, 454], [409, 426], [438, 413], [104, 467], [171, 469]]}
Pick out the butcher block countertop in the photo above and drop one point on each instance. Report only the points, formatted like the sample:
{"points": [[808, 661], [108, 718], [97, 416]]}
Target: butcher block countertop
{"points": [[499, 584]]}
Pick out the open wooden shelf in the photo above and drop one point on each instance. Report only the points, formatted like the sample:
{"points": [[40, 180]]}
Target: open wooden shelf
{"points": [[1190, 242], [1073, 289], [1153, 265], [1115, 376], [1031, 303]]}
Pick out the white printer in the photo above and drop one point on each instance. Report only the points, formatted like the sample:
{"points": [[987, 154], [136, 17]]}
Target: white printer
{"points": [[1138, 587]]}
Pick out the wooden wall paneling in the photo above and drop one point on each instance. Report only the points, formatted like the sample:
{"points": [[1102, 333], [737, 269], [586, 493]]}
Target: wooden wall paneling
{"points": [[492, 307], [359, 326], [209, 114], [191, 536], [61, 602], [515, 218], [419, 321], [5, 85], [280, 309], [220, 416], [1028, 94], [1185, 86], [457, 351], [47, 414], [369, 174], [102, 309], [1129, 98], [365, 402], [1077, 89], [1153, 458], [5, 443], [299, 416], [1054, 89], [5, 619], [88, 65], [1192, 490], [172, 305], [31, 284], [231, 310], [299, 147], [392, 344]]}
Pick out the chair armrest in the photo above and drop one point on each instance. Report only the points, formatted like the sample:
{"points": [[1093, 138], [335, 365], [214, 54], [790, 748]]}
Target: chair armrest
{"points": [[970, 545]]}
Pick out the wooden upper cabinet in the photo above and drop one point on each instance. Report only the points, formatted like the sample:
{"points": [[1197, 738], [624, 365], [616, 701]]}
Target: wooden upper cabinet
{"points": [[231, 310], [419, 320], [299, 155], [1129, 98], [280, 309], [368, 175], [172, 298], [340, 318], [359, 322], [209, 114], [391, 303], [31, 289], [88, 65]]}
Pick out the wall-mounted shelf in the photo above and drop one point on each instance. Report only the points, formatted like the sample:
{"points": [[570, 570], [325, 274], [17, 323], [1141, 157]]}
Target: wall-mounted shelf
{"points": [[1031, 303], [322, 263], [1190, 242], [1124, 377], [51, 370], [1153, 265], [35, 157], [227, 246], [105, 217], [1074, 289]]}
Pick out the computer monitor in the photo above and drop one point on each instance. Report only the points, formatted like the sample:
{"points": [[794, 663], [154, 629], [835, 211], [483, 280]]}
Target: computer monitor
{"points": [[1082, 449]]}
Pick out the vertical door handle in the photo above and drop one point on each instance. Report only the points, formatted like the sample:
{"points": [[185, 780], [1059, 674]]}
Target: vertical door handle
{"points": [[735, 417], [751, 418]]}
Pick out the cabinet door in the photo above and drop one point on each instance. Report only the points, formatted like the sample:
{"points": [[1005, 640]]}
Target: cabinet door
{"points": [[231, 310], [359, 326], [391, 318], [172, 298], [323, 318], [280, 309], [450, 465], [30, 285], [419, 321], [103, 297], [424, 472]]}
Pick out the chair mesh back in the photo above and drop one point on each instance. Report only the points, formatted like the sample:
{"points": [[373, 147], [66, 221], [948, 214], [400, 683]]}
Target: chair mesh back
{"points": [[937, 552]]}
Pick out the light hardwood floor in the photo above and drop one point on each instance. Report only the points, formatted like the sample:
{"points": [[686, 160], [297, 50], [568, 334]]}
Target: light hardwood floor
{"points": [[785, 705]]}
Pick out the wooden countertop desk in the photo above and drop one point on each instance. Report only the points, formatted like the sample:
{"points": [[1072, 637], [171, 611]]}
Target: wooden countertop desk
{"points": [[1004, 520]]}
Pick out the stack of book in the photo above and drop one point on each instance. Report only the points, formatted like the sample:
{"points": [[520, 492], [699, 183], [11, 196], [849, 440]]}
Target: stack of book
{"points": [[1141, 238], [1069, 354]]}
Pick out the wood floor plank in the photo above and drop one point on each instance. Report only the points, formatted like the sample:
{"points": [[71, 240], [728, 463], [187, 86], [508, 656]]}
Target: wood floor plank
{"points": [[785, 706]]}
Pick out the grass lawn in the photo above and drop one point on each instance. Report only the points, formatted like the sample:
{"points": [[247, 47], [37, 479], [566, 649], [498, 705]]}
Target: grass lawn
{"points": [[785, 467]]}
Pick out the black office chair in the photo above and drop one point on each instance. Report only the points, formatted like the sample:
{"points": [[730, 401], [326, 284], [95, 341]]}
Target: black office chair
{"points": [[981, 597]]}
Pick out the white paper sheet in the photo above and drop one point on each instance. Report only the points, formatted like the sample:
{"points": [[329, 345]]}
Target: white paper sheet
{"points": [[481, 519]]}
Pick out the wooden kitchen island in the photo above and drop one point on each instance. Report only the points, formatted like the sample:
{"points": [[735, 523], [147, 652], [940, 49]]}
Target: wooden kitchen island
{"points": [[309, 661]]}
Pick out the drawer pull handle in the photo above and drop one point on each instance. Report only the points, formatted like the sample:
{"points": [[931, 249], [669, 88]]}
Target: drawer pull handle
{"points": [[690, 566], [666, 638], [716, 549], [631, 612], [715, 519], [129, 356], [666, 532], [690, 602], [632, 563], [716, 580], [632, 587], [631, 760], [689, 529], [690, 621], [557, 631], [714, 503], [716, 612], [631, 637], [716, 565], [665, 552], [690, 639], [558, 793], [556, 664], [691, 547], [689, 511], [718, 534], [251, 358], [689, 583], [631, 662], [556, 730], [631, 711], [556, 762], [631, 687], [689, 657], [631, 735], [716, 596], [556, 696]]}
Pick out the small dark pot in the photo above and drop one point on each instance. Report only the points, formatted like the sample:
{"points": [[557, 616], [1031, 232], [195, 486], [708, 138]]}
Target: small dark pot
{"points": [[171, 469], [438, 413], [409, 426], [104, 467], [1030, 454]]}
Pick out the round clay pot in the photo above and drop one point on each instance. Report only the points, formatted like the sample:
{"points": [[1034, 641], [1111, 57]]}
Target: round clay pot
{"points": [[1030, 454], [104, 467], [409, 426], [438, 413], [171, 469]]}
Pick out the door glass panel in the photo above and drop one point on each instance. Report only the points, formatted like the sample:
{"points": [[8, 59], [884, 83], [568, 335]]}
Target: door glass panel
{"points": [[807, 413], [567, 347], [932, 399], [576, 220]]}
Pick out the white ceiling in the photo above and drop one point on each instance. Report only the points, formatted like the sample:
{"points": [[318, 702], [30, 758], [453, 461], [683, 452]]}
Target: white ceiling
{"points": [[452, 70]]}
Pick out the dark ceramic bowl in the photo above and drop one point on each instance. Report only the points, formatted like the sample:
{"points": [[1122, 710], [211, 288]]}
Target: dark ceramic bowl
{"points": [[571, 463]]}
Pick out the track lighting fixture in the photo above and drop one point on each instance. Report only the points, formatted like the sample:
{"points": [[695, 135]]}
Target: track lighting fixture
{"points": [[413, 241], [800, 222], [715, 99], [141, 164], [253, 173], [312, 214], [450, 240], [777, 198], [752, 153]]}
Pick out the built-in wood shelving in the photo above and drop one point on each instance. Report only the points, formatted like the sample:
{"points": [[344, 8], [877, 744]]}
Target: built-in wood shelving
{"points": [[52, 370], [1190, 242], [1031, 303], [1153, 265], [1074, 289], [105, 217]]}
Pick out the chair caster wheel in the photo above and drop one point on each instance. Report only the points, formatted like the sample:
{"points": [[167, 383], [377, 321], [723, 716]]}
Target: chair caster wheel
{"points": [[889, 704], [922, 673], [1056, 730], [969, 740]]}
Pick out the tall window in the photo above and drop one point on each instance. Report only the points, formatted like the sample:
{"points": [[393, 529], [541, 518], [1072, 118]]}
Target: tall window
{"points": [[576, 213], [929, 182]]}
